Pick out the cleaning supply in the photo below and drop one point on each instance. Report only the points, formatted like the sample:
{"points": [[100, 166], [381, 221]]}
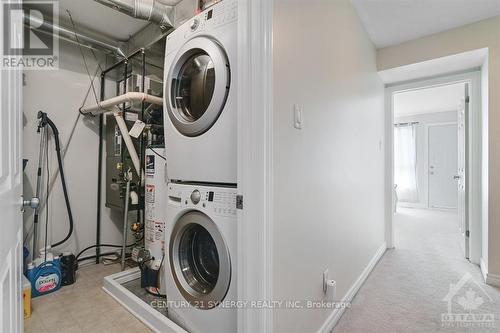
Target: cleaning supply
{"points": [[26, 297], [69, 266], [44, 273]]}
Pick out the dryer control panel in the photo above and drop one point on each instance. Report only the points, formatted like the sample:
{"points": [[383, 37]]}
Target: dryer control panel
{"points": [[218, 15], [218, 201]]}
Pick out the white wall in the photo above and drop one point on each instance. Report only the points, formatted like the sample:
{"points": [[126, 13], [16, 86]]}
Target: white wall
{"points": [[483, 34], [424, 120], [329, 176], [60, 93]]}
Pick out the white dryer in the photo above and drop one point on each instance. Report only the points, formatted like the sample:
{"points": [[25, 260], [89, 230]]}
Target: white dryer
{"points": [[200, 97], [201, 231]]}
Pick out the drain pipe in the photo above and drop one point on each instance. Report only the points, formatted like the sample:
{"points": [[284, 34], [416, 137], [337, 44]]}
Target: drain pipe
{"points": [[149, 10], [111, 105]]}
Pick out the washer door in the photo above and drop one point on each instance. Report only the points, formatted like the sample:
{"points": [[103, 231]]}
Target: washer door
{"points": [[198, 86], [199, 260]]}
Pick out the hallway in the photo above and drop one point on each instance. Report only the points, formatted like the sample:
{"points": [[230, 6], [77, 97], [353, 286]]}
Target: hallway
{"points": [[405, 292]]}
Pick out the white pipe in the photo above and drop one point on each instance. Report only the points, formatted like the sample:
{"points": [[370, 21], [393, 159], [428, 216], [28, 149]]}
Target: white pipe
{"points": [[109, 104], [128, 142]]}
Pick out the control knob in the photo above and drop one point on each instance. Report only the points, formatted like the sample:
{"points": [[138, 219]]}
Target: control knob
{"points": [[195, 24], [195, 197]]}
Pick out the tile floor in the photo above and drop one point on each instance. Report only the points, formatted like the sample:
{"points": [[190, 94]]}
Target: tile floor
{"points": [[83, 307]]}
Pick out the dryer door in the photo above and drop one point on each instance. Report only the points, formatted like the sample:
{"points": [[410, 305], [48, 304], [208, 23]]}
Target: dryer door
{"points": [[199, 260], [197, 86]]}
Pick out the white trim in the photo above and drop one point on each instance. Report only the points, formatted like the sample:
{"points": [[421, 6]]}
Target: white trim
{"points": [[255, 156], [335, 316], [493, 280], [474, 78], [484, 269], [136, 306]]}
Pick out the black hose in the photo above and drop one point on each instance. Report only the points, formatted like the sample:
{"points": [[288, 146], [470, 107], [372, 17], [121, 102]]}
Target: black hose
{"points": [[101, 245], [46, 121], [94, 256]]}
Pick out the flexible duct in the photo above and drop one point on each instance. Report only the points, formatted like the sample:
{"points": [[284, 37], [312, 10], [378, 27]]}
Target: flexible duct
{"points": [[149, 10]]}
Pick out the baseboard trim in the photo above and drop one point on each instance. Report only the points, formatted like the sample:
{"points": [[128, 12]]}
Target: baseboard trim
{"points": [[493, 279], [334, 317], [484, 269]]}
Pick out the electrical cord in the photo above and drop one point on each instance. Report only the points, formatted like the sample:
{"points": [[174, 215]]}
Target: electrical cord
{"points": [[83, 55], [156, 153], [94, 256]]}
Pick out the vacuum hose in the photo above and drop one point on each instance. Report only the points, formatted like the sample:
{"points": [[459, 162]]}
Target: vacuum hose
{"points": [[45, 120]]}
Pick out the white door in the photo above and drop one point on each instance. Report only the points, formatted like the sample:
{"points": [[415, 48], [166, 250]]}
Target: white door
{"points": [[11, 246], [443, 164], [461, 175]]}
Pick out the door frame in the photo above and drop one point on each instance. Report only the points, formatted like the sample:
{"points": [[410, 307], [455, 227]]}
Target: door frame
{"points": [[255, 162], [427, 143], [473, 77]]}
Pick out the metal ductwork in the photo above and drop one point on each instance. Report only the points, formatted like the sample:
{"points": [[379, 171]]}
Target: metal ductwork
{"points": [[74, 37], [149, 10]]}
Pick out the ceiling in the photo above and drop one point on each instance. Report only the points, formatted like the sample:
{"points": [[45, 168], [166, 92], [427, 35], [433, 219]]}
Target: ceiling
{"points": [[429, 100], [391, 22], [105, 20]]}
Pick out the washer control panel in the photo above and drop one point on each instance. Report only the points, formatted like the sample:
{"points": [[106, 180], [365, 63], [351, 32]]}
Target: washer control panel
{"points": [[219, 201]]}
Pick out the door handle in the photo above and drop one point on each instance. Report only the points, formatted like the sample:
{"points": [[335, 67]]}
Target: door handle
{"points": [[457, 177]]}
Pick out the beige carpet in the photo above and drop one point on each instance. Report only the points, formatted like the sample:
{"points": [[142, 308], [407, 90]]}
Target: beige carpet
{"points": [[405, 291]]}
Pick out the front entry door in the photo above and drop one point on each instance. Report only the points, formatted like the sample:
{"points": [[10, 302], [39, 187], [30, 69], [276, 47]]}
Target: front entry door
{"points": [[11, 245]]}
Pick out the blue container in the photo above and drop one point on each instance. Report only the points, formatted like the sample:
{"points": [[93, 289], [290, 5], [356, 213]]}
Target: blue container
{"points": [[45, 278]]}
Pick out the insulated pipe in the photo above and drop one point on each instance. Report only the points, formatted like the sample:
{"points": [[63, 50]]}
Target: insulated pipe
{"points": [[109, 104], [69, 35]]}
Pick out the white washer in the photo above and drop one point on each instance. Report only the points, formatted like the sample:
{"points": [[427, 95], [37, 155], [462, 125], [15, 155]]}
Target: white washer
{"points": [[201, 231], [200, 97]]}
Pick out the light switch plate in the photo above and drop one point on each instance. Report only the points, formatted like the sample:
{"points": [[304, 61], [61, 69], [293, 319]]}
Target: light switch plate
{"points": [[298, 121]]}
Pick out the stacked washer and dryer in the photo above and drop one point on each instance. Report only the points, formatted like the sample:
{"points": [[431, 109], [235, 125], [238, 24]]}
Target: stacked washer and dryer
{"points": [[201, 144]]}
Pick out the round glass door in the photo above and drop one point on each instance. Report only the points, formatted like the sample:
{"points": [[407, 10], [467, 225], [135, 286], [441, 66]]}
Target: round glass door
{"points": [[193, 89], [200, 260], [198, 85]]}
